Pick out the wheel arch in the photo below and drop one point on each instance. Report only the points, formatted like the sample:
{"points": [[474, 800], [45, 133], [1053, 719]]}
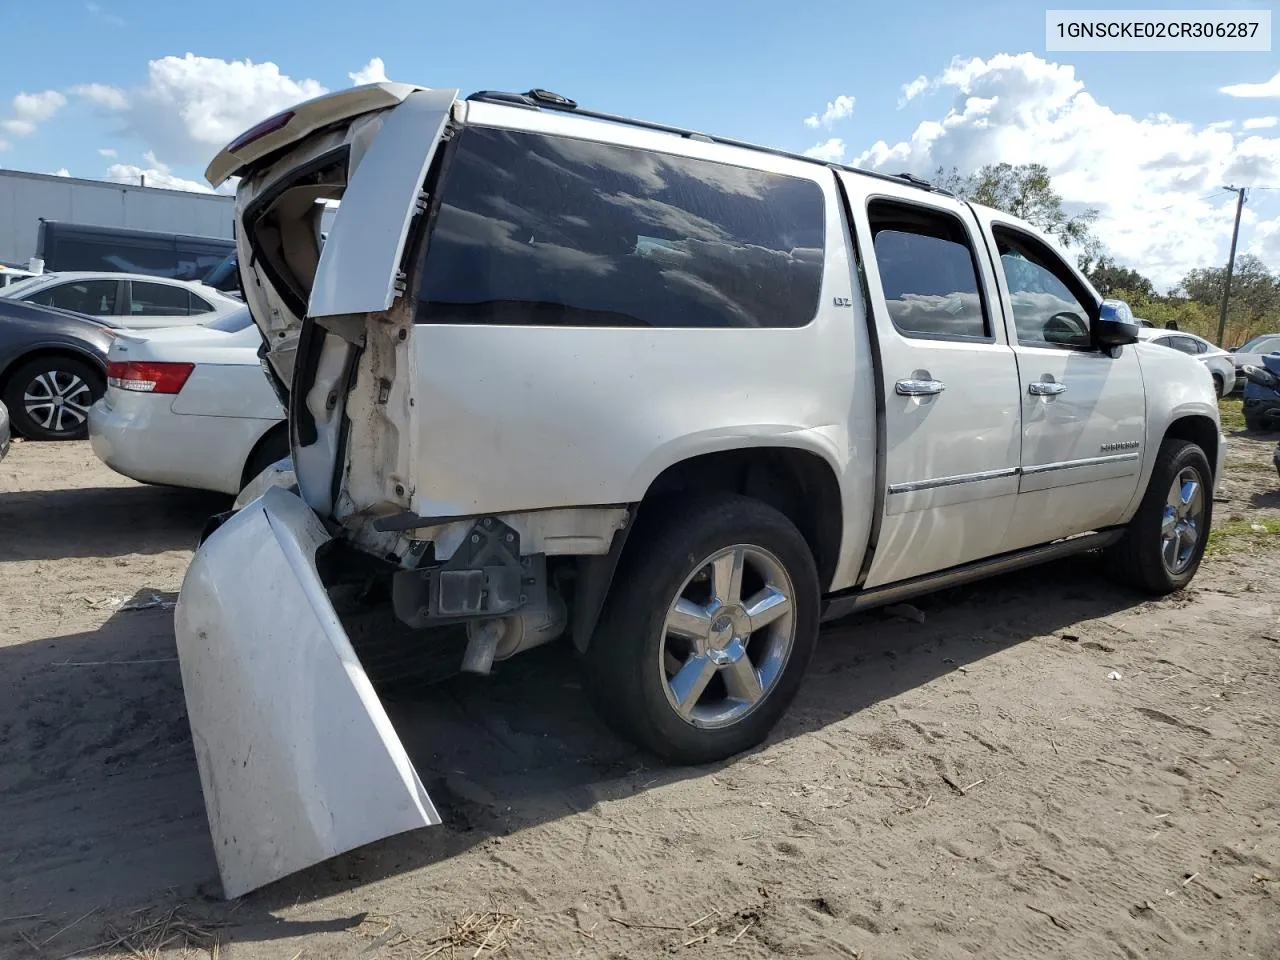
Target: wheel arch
{"points": [[798, 483], [1199, 429], [50, 350]]}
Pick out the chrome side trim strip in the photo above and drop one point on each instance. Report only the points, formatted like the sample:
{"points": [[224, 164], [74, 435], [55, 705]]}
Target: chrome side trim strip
{"points": [[914, 485], [1072, 464]]}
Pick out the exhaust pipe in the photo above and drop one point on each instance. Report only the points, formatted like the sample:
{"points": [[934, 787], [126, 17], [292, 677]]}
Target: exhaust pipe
{"points": [[501, 638]]}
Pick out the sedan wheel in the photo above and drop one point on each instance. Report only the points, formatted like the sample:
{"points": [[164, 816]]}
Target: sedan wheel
{"points": [[49, 398]]}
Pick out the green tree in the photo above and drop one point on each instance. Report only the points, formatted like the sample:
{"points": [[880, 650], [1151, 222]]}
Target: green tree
{"points": [[1025, 191], [1255, 290], [1111, 279]]}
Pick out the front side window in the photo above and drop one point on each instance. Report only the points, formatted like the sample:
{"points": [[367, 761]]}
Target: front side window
{"points": [[1046, 311], [544, 230], [927, 269], [97, 298], [158, 300]]}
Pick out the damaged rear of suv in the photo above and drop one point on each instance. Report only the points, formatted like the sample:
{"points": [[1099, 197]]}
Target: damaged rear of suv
{"points": [[520, 325]]}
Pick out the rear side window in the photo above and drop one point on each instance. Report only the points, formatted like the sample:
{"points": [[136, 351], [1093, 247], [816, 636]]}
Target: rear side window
{"points": [[552, 231], [927, 269], [159, 300], [197, 305]]}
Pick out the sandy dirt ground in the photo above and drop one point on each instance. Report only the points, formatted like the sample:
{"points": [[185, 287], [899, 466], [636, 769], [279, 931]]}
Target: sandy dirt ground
{"points": [[972, 785]]}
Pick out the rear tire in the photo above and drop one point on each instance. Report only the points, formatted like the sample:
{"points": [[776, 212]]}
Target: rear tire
{"points": [[1219, 385], [1254, 423], [709, 678], [1164, 543], [49, 397]]}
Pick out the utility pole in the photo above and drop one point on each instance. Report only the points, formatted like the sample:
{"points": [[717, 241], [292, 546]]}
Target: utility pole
{"points": [[1231, 263]]}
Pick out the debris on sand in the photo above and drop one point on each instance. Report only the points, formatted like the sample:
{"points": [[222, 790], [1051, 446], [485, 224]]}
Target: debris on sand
{"points": [[906, 611]]}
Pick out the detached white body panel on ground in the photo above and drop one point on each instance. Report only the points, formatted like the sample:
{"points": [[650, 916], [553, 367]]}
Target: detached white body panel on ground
{"points": [[298, 760]]}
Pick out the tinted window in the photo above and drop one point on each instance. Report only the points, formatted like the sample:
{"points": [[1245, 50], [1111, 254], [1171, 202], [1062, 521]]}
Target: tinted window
{"points": [[198, 305], [927, 270], [155, 258], [94, 297], [1182, 344], [553, 231], [1046, 312], [158, 300]]}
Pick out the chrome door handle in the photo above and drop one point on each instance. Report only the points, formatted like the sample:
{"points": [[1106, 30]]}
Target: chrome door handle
{"points": [[1046, 388], [919, 388]]}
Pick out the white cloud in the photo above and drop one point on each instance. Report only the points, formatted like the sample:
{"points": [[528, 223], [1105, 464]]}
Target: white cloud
{"points": [[913, 89], [60, 172], [1260, 123], [190, 107], [840, 108], [106, 152], [375, 71], [1265, 241], [1268, 88], [38, 107], [1149, 177], [102, 95], [157, 174], [1220, 125], [30, 110], [831, 151]]}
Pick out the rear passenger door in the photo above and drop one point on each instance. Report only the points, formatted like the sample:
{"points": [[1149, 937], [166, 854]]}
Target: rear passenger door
{"points": [[948, 380], [157, 305]]}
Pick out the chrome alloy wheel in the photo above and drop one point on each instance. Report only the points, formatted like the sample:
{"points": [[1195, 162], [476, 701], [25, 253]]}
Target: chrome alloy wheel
{"points": [[1180, 530], [721, 654], [58, 400]]}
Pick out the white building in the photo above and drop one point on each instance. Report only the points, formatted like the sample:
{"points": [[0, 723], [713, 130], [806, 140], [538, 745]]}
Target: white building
{"points": [[25, 198]]}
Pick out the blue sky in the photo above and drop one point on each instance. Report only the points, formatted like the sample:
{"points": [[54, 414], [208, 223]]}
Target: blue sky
{"points": [[111, 91]]}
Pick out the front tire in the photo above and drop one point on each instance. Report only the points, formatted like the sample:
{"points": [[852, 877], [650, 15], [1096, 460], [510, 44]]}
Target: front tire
{"points": [[708, 629], [1164, 543], [49, 397], [1219, 385]]}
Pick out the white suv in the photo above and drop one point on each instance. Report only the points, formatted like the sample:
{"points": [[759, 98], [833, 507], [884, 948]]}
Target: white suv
{"points": [[678, 398]]}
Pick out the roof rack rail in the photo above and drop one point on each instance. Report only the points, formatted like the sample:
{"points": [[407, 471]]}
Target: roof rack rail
{"points": [[538, 99]]}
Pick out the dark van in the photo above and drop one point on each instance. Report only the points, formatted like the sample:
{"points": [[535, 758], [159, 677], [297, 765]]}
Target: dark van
{"points": [[75, 246]]}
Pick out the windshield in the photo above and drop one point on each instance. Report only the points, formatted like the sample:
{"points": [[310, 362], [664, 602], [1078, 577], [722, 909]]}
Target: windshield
{"points": [[1254, 345], [226, 275], [232, 322]]}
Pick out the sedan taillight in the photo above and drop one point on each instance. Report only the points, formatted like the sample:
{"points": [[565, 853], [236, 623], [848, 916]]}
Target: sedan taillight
{"points": [[147, 376]]}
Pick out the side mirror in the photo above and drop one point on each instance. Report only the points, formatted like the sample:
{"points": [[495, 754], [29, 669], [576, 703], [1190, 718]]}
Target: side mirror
{"points": [[1116, 325]]}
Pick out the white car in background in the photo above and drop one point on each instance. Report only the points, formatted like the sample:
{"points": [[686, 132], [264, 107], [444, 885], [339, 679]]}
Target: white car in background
{"points": [[136, 300], [1216, 359], [189, 407]]}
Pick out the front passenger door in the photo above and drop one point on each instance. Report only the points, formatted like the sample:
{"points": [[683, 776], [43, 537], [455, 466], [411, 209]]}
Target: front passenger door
{"points": [[1083, 408]]}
